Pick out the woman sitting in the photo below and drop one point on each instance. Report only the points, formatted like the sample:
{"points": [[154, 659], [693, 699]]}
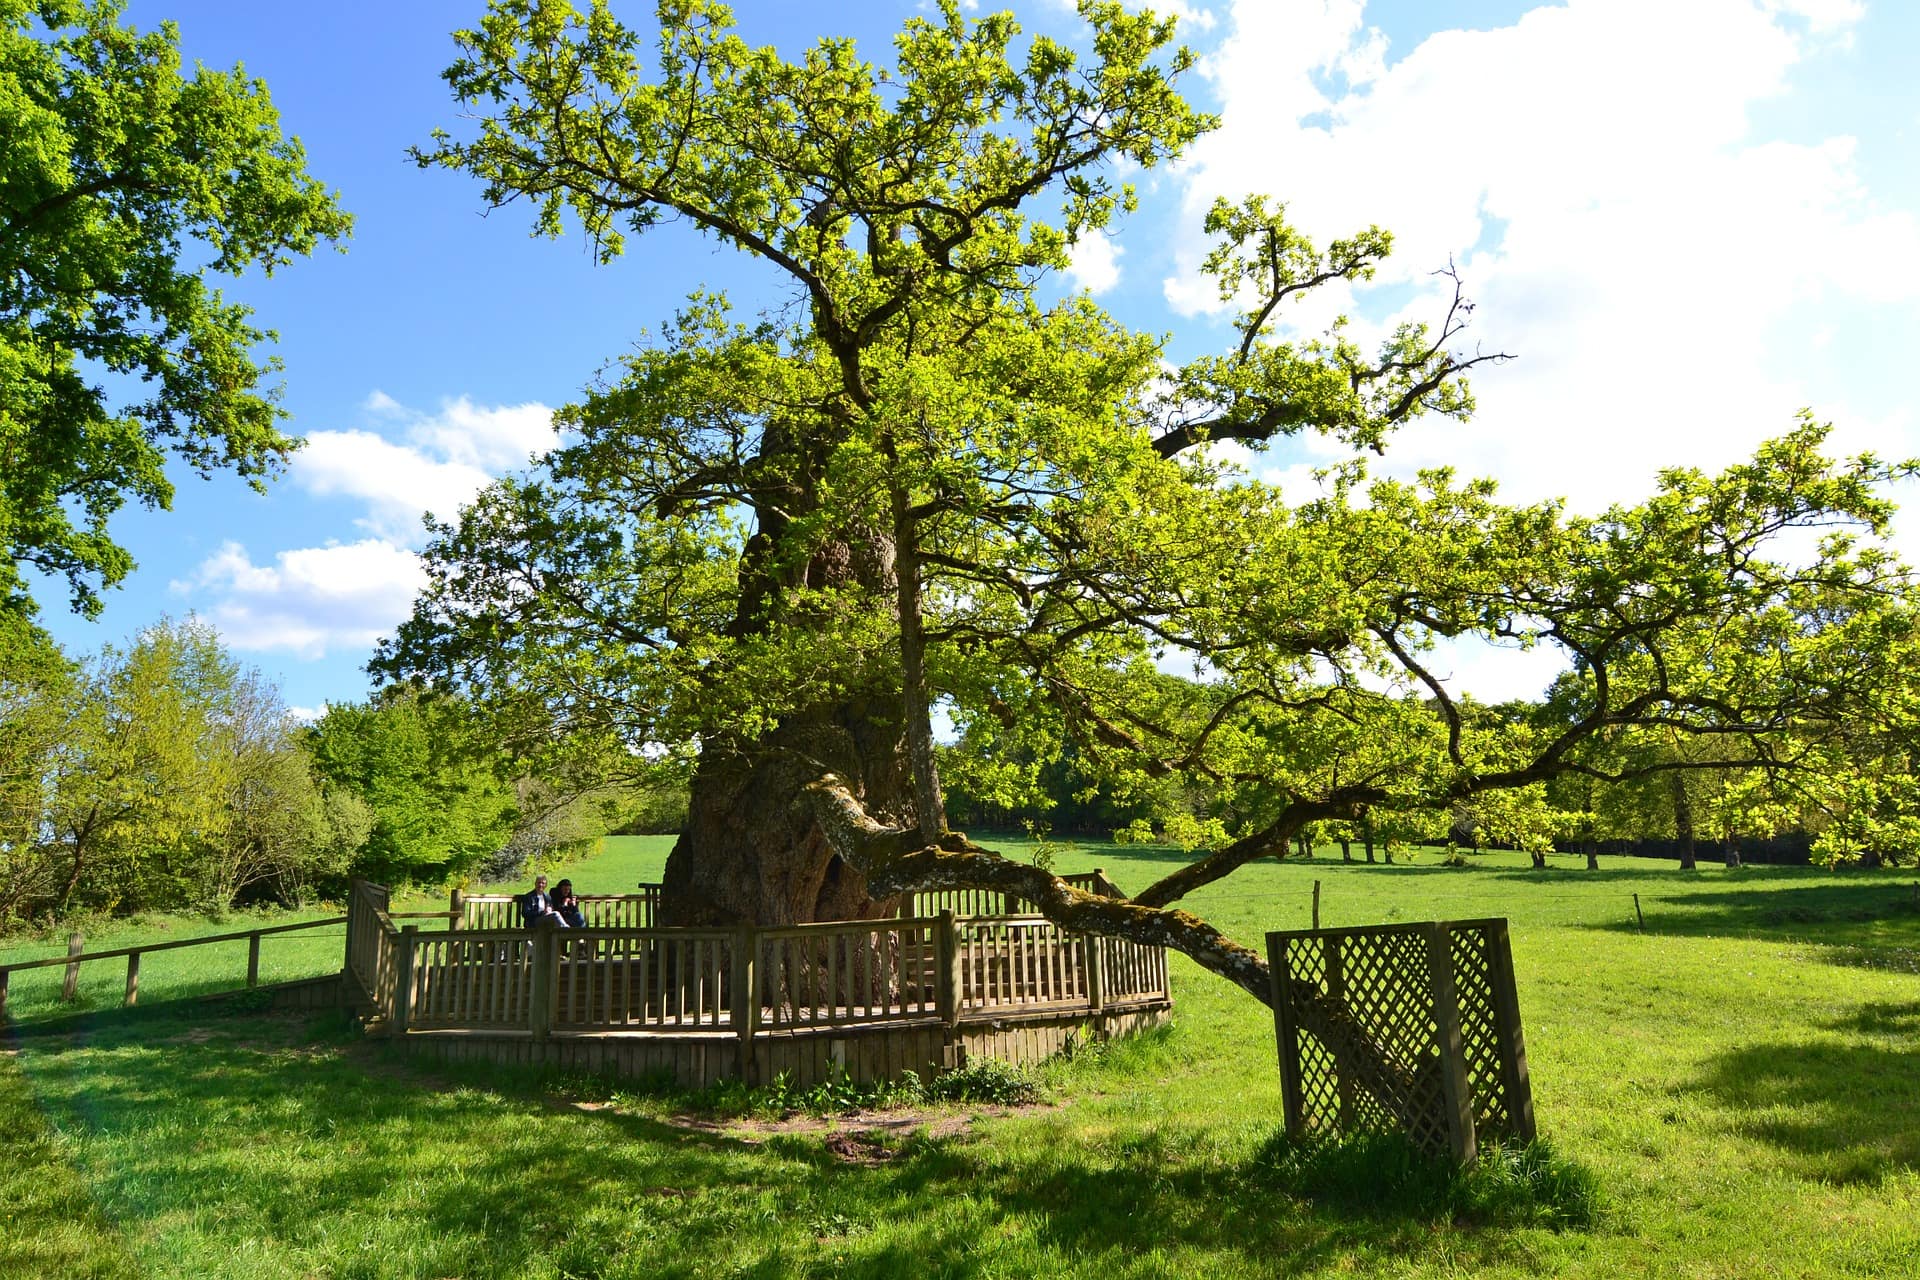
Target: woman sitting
{"points": [[568, 906]]}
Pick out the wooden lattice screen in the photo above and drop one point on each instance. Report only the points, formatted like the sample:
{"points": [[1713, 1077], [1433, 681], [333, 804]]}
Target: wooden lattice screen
{"points": [[1410, 1026]]}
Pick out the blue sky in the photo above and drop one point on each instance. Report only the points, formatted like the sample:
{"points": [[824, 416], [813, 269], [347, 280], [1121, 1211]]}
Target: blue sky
{"points": [[1687, 217]]}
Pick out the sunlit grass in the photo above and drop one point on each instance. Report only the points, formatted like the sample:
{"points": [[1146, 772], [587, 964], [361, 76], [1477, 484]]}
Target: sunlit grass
{"points": [[1733, 1091]]}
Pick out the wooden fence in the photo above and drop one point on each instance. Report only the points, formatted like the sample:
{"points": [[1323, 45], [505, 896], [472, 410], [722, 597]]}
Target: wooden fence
{"points": [[601, 910], [77, 956], [994, 902], [1413, 1027], [747, 981]]}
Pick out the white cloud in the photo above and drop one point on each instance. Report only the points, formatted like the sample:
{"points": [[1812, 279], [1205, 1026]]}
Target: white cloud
{"points": [[1593, 169], [1096, 262], [311, 600], [439, 463]]}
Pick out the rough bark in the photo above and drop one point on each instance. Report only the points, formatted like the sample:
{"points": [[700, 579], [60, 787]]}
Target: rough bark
{"points": [[749, 856]]}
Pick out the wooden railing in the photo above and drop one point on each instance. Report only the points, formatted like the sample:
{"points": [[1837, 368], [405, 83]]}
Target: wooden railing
{"points": [[1032, 963], [740, 981], [373, 945], [77, 956], [850, 972], [994, 902], [601, 910]]}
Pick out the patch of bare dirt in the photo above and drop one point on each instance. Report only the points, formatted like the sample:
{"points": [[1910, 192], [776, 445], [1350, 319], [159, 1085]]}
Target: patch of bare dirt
{"points": [[896, 1123], [863, 1148]]}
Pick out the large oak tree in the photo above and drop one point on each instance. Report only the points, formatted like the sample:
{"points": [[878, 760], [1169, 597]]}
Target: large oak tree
{"points": [[780, 540]]}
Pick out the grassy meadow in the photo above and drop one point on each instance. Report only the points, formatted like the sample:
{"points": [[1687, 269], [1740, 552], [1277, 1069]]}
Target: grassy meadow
{"points": [[1740, 1079]]}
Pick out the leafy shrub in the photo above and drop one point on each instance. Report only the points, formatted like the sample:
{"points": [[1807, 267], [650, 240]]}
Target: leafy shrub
{"points": [[985, 1080]]}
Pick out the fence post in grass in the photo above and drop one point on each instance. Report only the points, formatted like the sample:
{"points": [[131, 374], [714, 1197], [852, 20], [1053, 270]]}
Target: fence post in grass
{"points": [[1636, 913], [133, 977], [456, 909], [403, 993], [70, 989], [946, 968], [253, 960], [1456, 1091], [1316, 904], [546, 949], [5, 976]]}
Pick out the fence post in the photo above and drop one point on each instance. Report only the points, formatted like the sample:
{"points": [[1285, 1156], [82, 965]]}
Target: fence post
{"points": [[456, 909], [70, 989], [946, 968], [133, 977], [253, 959], [5, 976], [1513, 1046], [745, 1004], [1096, 971], [1456, 1092], [403, 984], [546, 948], [1286, 1039]]}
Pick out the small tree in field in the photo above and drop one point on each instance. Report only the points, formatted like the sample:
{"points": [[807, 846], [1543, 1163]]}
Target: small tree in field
{"points": [[784, 538]]}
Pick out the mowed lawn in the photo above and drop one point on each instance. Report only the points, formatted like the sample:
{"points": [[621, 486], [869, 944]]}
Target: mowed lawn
{"points": [[1742, 1078]]}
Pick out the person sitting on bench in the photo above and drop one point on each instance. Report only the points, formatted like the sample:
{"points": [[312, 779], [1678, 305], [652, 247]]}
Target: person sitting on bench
{"points": [[537, 907], [568, 906]]}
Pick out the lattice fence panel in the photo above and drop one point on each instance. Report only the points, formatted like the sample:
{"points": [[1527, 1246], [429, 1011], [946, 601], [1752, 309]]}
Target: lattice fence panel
{"points": [[1411, 1027]]}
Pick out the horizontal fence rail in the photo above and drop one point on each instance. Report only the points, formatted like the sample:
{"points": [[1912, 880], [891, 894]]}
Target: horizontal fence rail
{"points": [[76, 957]]}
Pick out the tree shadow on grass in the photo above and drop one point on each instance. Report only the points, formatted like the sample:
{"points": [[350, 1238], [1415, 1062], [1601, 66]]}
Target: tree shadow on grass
{"points": [[1837, 913], [340, 1158], [1843, 1112]]}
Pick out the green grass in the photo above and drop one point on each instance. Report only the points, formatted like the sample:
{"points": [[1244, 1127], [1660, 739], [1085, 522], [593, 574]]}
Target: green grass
{"points": [[1732, 1092]]}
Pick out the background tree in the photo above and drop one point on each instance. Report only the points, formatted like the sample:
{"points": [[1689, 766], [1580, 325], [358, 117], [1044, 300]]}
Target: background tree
{"points": [[426, 774], [124, 187], [784, 539], [38, 691]]}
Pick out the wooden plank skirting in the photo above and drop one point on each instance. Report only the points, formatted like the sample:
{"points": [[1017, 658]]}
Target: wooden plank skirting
{"points": [[873, 998], [864, 1053]]}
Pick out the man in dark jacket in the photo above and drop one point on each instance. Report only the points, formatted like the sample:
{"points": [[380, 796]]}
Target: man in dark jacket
{"points": [[537, 906]]}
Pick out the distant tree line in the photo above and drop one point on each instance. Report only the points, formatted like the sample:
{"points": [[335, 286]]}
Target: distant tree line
{"points": [[167, 775], [1845, 805]]}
